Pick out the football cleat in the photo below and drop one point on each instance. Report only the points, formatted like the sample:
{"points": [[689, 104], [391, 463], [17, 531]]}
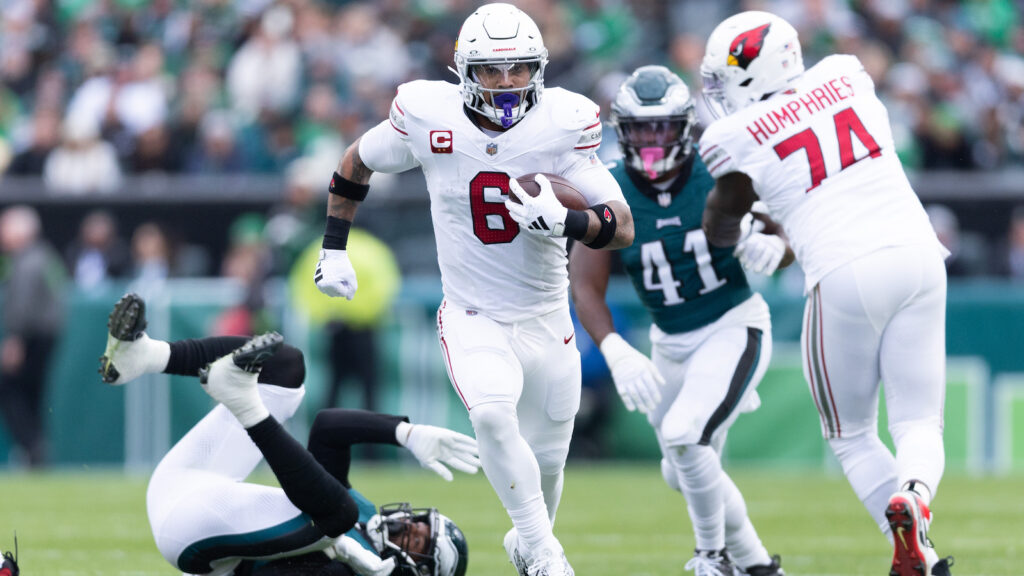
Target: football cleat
{"points": [[710, 563], [914, 555], [550, 562], [512, 549], [774, 568], [251, 356], [231, 379], [125, 356], [9, 564]]}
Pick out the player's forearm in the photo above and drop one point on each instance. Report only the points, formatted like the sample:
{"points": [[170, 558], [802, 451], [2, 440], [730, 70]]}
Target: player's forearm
{"points": [[720, 227], [727, 203], [593, 313], [588, 278], [623, 219], [352, 169]]}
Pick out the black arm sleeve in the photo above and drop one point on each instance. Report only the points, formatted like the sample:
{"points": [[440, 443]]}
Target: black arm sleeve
{"points": [[335, 430], [286, 367]]}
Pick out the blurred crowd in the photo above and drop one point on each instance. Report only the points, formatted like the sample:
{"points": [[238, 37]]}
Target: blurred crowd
{"points": [[93, 90]]}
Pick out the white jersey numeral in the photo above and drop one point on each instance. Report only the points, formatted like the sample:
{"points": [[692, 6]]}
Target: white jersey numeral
{"points": [[658, 269]]}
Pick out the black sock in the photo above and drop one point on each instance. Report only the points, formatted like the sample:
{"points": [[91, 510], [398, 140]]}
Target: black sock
{"points": [[286, 368], [304, 480], [188, 356]]}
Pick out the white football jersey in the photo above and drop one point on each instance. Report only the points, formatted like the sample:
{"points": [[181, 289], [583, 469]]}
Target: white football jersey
{"points": [[821, 156], [487, 263]]}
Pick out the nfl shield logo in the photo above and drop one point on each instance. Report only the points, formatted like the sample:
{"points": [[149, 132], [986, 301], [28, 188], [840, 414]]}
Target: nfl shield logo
{"points": [[492, 149]]}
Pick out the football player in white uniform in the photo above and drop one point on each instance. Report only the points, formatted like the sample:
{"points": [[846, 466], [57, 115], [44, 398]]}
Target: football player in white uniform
{"points": [[207, 520], [817, 148], [504, 326]]}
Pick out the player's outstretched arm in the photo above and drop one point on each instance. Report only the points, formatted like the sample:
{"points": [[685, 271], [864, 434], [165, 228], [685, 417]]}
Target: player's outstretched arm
{"points": [[335, 430], [727, 203], [334, 274], [436, 448]]}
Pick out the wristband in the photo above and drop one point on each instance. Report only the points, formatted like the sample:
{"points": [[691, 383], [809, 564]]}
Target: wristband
{"points": [[576, 224], [606, 216], [346, 188], [336, 234]]}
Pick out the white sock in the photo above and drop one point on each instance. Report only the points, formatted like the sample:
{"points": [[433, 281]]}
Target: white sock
{"points": [[871, 470], [157, 355], [700, 476], [741, 538], [919, 488], [512, 470], [236, 389], [920, 455], [531, 522]]}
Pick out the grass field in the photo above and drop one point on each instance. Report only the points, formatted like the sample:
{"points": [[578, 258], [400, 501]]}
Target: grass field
{"points": [[615, 520]]}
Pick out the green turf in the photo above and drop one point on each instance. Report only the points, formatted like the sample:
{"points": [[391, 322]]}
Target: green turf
{"points": [[614, 521]]}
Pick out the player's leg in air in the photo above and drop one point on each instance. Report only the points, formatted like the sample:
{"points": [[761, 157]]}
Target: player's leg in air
{"points": [[196, 499], [882, 317], [521, 385], [711, 377]]}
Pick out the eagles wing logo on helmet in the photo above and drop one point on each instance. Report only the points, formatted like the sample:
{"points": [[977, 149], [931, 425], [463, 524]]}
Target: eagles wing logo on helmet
{"points": [[747, 46]]}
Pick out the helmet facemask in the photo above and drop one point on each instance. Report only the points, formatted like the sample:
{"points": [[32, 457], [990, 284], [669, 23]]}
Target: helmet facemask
{"points": [[503, 106], [391, 532], [494, 45], [749, 57], [653, 115]]}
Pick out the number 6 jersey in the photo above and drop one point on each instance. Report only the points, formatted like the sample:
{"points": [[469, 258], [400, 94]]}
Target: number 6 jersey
{"points": [[821, 156], [487, 263]]}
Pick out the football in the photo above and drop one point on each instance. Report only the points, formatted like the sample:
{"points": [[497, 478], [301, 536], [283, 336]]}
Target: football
{"points": [[566, 193]]}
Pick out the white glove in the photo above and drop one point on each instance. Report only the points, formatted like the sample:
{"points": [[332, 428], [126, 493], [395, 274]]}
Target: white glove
{"points": [[334, 274], [636, 378], [761, 253], [363, 561], [434, 447], [542, 214]]}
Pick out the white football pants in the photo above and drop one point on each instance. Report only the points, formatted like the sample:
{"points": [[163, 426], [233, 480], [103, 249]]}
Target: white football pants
{"points": [[521, 384], [197, 491], [711, 376], [881, 317]]}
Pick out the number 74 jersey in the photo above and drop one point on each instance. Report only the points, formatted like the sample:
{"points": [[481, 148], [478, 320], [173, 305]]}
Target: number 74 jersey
{"points": [[821, 157]]}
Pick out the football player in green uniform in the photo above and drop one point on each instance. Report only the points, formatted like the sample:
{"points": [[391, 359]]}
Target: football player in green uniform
{"points": [[711, 336]]}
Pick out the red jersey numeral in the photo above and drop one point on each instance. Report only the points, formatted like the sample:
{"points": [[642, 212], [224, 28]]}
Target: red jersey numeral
{"points": [[481, 208], [848, 124]]}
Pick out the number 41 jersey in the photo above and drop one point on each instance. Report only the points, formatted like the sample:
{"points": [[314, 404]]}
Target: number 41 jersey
{"points": [[684, 282], [821, 157], [487, 263]]}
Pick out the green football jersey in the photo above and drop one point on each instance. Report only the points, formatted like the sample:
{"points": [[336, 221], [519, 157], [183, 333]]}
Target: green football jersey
{"points": [[684, 282]]}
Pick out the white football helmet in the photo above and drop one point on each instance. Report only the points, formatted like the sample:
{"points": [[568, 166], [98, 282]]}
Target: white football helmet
{"points": [[749, 56], [500, 35], [653, 115], [447, 553]]}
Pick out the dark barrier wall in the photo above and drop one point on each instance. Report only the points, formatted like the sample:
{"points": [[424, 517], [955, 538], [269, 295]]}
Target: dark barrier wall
{"points": [[86, 419]]}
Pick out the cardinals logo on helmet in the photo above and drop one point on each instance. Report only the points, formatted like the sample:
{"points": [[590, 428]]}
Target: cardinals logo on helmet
{"points": [[747, 46]]}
